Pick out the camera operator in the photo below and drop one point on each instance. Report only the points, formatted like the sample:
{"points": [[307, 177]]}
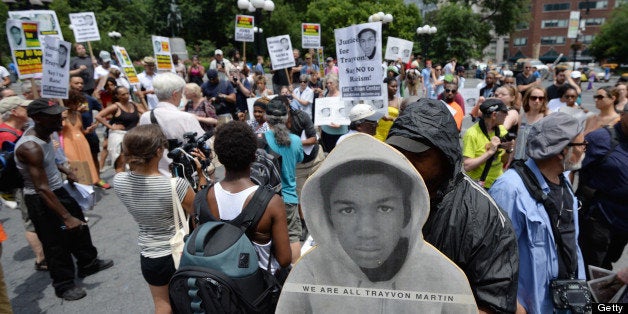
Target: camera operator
{"points": [[242, 88], [221, 94], [484, 152], [173, 122]]}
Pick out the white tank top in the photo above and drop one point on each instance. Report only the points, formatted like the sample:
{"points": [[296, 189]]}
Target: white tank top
{"points": [[230, 205]]}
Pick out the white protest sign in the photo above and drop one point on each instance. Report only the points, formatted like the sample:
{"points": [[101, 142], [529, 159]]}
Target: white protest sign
{"points": [[359, 50], [470, 96], [280, 51], [48, 22], [84, 26], [244, 28], [126, 64], [397, 48], [25, 47], [331, 110], [310, 35], [163, 54], [56, 78]]}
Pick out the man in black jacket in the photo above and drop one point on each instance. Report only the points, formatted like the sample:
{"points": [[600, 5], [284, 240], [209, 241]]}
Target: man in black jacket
{"points": [[464, 222]]}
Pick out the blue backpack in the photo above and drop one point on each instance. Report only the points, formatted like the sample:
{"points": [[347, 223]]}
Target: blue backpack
{"points": [[10, 177], [219, 271]]}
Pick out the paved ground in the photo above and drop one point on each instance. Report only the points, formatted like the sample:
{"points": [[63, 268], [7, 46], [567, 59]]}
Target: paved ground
{"points": [[120, 289]]}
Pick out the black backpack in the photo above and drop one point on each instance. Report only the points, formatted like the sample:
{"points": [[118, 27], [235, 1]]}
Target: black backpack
{"points": [[266, 169], [219, 271], [10, 177]]}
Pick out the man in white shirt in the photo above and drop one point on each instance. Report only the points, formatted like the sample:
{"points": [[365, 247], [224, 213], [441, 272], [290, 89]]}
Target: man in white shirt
{"points": [[101, 72], [145, 90], [220, 64], [303, 96], [173, 122]]}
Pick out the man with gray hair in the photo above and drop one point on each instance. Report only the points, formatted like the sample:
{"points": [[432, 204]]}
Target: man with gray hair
{"points": [[303, 96], [540, 202], [173, 122]]}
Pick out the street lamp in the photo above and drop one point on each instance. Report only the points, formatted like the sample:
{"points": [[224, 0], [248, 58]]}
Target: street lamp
{"points": [[258, 33], [385, 18], [427, 31], [115, 36], [257, 7]]}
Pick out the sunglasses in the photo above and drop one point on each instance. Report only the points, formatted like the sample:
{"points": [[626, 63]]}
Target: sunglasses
{"points": [[535, 98], [303, 81], [585, 143], [598, 97], [450, 90]]}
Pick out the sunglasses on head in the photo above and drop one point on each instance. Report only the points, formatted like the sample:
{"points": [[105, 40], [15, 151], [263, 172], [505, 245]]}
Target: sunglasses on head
{"points": [[534, 98]]}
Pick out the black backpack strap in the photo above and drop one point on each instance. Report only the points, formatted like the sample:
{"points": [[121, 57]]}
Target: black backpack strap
{"points": [[201, 208], [153, 120], [9, 131], [254, 210]]}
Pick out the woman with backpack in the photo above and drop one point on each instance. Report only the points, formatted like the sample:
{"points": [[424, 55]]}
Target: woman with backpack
{"points": [[147, 196]]}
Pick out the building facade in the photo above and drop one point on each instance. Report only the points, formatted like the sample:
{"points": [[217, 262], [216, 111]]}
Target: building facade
{"points": [[545, 37]]}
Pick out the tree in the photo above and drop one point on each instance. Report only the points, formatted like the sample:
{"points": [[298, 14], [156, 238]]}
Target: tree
{"points": [[610, 43], [461, 33]]}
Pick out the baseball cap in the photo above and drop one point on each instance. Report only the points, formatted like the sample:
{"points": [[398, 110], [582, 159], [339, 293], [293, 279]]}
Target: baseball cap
{"points": [[212, 74], [218, 52], [105, 56], [276, 107], [550, 135], [491, 105], [364, 111], [576, 74], [148, 61], [12, 102], [393, 68], [44, 105]]}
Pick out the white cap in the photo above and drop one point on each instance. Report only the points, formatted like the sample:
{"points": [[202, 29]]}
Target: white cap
{"points": [[364, 111], [218, 52], [576, 74], [105, 56]]}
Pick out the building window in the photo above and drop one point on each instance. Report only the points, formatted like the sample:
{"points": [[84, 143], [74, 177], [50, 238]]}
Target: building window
{"points": [[587, 39], [554, 23], [592, 5], [520, 41], [594, 21], [522, 26], [556, 7], [552, 40], [620, 2]]}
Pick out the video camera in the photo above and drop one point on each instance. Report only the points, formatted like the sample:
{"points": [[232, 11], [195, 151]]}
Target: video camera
{"points": [[183, 164]]}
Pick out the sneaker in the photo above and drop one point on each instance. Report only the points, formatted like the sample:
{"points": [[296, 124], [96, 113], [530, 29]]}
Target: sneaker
{"points": [[103, 184], [41, 266], [94, 267], [73, 294]]}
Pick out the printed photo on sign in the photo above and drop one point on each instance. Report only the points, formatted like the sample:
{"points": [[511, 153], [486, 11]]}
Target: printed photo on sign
{"points": [[26, 52], [244, 28], [331, 110], [84, 26], [15, 35], [56, 76], [397, 48], [161, 48], [365, 207], [310, 35], [280, 51], [470, 96], [359, 50], [48, 22]]}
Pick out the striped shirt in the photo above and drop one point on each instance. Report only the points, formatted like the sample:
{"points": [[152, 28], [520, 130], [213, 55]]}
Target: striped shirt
{"points": [[149, 200]]}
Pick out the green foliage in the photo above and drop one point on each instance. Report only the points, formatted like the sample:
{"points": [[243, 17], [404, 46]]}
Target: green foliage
{"points": [[503, 15], [461, 34], [612, 42]]}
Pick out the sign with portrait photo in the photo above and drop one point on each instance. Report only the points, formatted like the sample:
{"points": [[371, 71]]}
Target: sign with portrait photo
{"points": [[25, 47], [310, 35], [331, 110], [244, 28], [84, 26], [397, 48], [359, 51], [48, 22], [56, 76], [280, 51], [126, 64], [163, 54]]}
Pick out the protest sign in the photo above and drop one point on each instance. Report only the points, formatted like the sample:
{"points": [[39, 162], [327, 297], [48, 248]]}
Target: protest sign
{"points": [[126, 64], [280, 51], [310, 35], [359, 49], [163, 55], [56, 77], [84, 26], [470, 96], [331, 110], [244, 28], [25, 47], [48, 22], [397, 48]]}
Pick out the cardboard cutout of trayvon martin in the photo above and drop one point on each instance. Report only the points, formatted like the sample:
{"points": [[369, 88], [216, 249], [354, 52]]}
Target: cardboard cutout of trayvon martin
{"points": [[366, 206]]}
